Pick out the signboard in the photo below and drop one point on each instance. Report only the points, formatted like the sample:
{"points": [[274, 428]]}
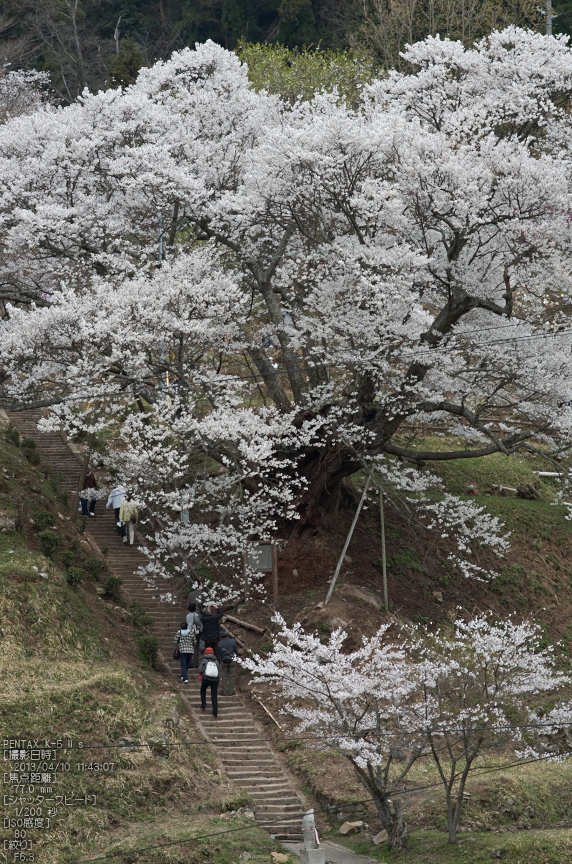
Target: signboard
{"points": [[260, 557]]}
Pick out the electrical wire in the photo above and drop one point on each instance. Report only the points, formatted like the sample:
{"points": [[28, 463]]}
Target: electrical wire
{"points": [[175, 842], [327, 810], [281, 368], [322, 737]]}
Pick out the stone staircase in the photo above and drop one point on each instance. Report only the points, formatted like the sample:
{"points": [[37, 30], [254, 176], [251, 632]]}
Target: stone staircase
{"points": [[236, 737]]}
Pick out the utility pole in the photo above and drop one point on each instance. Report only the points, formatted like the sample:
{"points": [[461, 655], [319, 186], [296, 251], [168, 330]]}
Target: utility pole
{"points": [[549, 16]]}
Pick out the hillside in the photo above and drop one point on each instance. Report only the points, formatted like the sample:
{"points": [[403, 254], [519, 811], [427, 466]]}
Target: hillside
{"points": [[70, 670], [524, 811], [94, 687]]}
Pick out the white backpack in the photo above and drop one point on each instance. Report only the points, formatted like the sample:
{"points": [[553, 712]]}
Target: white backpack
{"points": [[211, 670]]}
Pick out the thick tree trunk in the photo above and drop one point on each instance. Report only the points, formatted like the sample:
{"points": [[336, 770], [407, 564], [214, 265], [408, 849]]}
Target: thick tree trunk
{"points": [[324, 472], [389, 809], [390, 813]]}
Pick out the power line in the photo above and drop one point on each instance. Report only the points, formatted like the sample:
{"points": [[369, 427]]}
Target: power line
{"points": [[179, 842], [323, 737], [390, 356], [255, 376], [221, 377], [343, 806]]}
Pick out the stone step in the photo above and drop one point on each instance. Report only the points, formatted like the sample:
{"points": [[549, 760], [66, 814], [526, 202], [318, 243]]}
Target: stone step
{"points": [[249, 761]]}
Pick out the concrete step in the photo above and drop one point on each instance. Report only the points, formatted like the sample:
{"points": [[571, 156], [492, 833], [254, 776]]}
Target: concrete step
{"points": [[248, 760]]}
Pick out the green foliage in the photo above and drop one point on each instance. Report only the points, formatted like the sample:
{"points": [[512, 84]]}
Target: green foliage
{"points": [[125, 68], [265, 648], [203, 572], [113, 589], [74, 576], [29, 443], [67, 557], [44, 519], [404, 559], [94, 567], [148, 649], [50, 541], [139, 619], [12, 435], [31, 454], [301, 75]]}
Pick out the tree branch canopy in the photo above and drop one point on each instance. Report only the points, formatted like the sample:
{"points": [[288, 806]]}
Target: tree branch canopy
{"points": [[326, 272]]}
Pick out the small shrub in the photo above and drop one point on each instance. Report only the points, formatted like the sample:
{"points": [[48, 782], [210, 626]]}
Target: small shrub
{"points": [[50, 542], [44, 520], [55, 480], [81, 523], [67, 558], [113, 589], [94, 567], [31, 455], [148, 649], [29, 443], [139, 619], [74, 576], [405, 558], [13, 436], [265, 648]]}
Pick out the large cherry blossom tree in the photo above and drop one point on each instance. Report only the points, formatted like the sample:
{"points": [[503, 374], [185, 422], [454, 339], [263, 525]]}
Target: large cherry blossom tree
{"points": [[279, 288]]}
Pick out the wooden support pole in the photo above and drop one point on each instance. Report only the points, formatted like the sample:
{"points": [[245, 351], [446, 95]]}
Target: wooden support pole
{"points": [[245, 574], [383, 558], [348, 539], [245, 624], [275, 574], [262, 705]]}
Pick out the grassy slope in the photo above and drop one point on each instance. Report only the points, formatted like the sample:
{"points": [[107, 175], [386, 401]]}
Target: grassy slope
{"points": [[431, 847], [68, 669], [534, 580]]}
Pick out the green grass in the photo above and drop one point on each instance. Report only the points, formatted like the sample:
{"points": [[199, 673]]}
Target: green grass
{"points": [[68, 671], [535, 520], [431, 847], [222, 842], [484, 471]]}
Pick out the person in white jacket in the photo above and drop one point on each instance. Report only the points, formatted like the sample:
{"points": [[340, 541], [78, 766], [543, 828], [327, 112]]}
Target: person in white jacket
{"points": [[115, 499], [129, 515]]}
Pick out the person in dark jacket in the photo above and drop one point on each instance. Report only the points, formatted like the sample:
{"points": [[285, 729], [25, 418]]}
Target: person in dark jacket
{"points": [[88, 483], [211, 629], [228, 653], [186, 642], [209, 662]]}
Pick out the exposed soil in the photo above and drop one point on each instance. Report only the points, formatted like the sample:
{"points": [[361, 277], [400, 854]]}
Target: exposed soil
{"points": [[423, 586]]}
